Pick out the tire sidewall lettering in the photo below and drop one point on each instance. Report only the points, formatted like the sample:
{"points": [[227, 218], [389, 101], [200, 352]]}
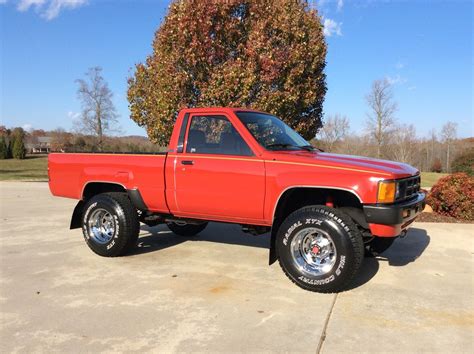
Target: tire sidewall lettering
{"points": [[290, 231], [85, 220], [341, 259]]}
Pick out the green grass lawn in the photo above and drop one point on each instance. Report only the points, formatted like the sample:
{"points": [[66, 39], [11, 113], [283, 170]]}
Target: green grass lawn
{"points": [[430, 178], [33, 168]]}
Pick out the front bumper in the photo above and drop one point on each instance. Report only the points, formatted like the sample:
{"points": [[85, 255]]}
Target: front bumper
{"points": [[390, 219]]}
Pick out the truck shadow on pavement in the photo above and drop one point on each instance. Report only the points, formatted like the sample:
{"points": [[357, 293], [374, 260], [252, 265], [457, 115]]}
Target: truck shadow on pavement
{"points": [[403, 251], [159, 237]]}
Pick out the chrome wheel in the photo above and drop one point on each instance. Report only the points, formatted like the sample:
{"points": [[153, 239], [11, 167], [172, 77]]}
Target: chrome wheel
{"points": [[313, 251], [101, 226]]}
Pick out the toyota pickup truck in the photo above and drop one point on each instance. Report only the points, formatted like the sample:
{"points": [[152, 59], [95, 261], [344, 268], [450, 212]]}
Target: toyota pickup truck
{"points": [[323, 211]]}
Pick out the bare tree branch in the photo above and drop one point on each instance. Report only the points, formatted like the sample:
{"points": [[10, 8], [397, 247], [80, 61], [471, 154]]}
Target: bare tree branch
{"points": [[404, 143], [98, 111], [448, 135], [334, 130], [381, 119]]}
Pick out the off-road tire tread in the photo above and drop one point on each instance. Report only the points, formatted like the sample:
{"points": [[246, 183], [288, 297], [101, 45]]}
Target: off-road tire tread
{"points": [[355, 238], [129, 235], [131, 211]]}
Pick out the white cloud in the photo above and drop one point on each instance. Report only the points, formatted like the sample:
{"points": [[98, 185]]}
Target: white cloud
{"points": [[340, 5], [394, 80], [332, 27], [27, 127], [49, 9], [24, 5], [399, 65], [73, 115]]}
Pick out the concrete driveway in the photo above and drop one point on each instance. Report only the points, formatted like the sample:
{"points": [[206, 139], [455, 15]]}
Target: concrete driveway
{"points": [[217, 293]]}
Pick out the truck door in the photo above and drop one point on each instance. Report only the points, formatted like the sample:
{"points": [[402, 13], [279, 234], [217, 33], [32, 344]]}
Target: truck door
{"points": [[217, 174]]}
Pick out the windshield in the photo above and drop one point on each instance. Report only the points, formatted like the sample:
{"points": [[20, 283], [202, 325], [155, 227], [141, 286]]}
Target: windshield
{"points": [[272, 133]]}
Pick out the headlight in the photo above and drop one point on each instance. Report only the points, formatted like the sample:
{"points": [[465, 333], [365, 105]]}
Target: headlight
{"points": [[387, 192]]}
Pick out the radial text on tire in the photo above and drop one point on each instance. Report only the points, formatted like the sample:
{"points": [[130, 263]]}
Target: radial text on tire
{"points": [[320, 248]]}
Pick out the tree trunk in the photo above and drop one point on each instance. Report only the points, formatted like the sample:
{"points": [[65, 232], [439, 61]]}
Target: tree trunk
{"points": [[379, 135], [99, 129], [447, 159]]}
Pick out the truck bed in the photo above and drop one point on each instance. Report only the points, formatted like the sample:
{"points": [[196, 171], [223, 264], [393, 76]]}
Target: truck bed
{"points": [[69, 174]]}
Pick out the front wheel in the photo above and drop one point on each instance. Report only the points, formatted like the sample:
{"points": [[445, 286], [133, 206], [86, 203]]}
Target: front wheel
{"points": [[320, 249], [185, 229]]}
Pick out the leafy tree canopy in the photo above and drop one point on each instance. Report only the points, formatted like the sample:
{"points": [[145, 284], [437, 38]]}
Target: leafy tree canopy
{"points": [[266, 55]]}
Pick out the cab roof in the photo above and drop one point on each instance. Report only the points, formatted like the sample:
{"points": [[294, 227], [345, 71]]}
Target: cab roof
{"points": [[218, 109]]}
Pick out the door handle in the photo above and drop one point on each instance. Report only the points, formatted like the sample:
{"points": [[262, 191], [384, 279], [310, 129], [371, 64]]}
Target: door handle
{"points": [[187, 162]]}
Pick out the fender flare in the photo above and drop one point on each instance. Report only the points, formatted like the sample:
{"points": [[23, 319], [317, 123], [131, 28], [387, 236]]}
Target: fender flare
{"points": [[76, 216]]}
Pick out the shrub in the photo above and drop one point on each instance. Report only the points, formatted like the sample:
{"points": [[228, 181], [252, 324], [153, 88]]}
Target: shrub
{"points": [[436, 166], [453, 195], [464, 163], [19, 151]]}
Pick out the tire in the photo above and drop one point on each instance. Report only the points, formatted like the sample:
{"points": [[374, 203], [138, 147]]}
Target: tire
{"points": [[378, 245], [320, 249], [186, 230], [110, 224]]}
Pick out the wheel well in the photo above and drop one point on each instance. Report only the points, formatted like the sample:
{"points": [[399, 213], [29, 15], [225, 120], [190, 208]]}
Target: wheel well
{"points": [[298, 197], [94, 188], [90, 190]]}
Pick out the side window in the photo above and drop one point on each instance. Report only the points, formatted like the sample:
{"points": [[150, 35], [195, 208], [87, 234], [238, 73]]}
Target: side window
{"points": [[215, 135]]}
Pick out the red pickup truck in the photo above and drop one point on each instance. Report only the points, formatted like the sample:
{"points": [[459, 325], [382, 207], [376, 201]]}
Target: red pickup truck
{"points": [[324, 211]]}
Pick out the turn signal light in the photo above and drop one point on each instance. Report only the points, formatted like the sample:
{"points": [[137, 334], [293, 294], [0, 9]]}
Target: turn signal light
{"points": [[386, 192]]}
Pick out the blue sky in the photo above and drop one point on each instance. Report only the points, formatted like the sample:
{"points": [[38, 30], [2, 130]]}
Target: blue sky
{"points": [[424, 47]]}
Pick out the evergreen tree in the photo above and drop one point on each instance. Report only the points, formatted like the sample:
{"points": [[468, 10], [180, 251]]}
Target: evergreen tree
{"points": [[3, 148], [10, 148], [19, 151]]}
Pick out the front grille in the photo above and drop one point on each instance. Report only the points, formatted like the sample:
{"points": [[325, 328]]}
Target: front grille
{"points": [[408, 188]]}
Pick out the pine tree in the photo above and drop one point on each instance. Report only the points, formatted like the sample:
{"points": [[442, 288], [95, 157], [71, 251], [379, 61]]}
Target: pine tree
{"points": [[19, 151], [10, 148], [3, 149]]}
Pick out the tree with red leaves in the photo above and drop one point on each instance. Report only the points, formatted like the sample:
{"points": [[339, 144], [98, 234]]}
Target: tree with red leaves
{"points": [[266, 55]]}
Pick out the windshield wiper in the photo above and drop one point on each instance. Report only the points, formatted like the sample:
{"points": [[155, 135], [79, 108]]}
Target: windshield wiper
{"points": [[304, 147], [308, 147]]}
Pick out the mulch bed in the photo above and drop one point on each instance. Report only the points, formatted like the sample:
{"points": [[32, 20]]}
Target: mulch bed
{"points": [[435, 217]]}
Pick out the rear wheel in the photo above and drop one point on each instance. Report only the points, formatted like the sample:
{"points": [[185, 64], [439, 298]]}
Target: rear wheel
{"points": [[185, 229], [110, 224], [319, 248]]}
